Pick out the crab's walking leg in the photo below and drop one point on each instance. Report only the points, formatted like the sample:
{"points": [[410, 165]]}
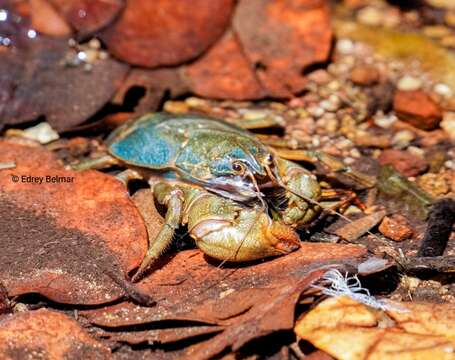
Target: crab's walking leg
{"points": [[172, 198], [98, 163], [344, 197], [334, 165], [127, 175]]}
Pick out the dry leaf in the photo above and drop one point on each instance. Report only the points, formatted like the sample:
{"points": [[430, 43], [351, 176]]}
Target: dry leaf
{"points": [[418, 331], [88, 16], [44, 334], [179, 32], [355, 229], [282, 39], [72, 239], [224, 72]]}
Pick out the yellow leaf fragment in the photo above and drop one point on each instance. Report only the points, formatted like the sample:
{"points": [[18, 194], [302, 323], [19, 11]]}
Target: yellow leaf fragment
{"points": [[349, 330]]}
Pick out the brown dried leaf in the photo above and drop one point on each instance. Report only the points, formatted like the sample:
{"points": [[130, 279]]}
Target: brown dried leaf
{"points": [[224, 72], [46, 20], [155, 84], [425, 331], [37, 80], [282, 39], [162, 336], [89, 16], [166, 32], [4, 303], [73, 240], [355, 229], [248, 301], [44, 334]]}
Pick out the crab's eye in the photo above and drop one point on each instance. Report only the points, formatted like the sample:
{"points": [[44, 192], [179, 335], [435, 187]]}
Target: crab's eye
{"points": [[269, 159], [238, 167]]}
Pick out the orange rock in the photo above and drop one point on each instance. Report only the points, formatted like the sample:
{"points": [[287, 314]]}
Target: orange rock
{"points": [[404, 162], [417, 108], [395, 227], [365, 75]]}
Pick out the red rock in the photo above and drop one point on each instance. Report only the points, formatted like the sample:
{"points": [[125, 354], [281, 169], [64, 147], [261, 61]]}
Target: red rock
{"points": [[395, 227], [404, 162], [365, 75], [417, 108]]}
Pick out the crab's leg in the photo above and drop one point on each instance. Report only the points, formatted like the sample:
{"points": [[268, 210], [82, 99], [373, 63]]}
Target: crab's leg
{"points": [[127, 175], [334, 165], [102, 162], [344, 197], [172, 197]]}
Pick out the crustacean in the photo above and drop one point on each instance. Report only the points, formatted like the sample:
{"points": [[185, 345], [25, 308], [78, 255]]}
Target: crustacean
{"points": [[239, 199]]}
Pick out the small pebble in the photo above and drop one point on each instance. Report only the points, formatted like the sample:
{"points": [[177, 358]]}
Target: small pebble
{"points": [[43, 133], [450, 18], [434, 184], [403, 138], [443, 90], [316, 111], [405, 162], [446, 4], [417, 108], [409, 83], [395, 227], [94, 44], [349, 160], [365, 75], [448, 124], [436, 31], [345, 46], [370, 16], [448, 41], [385, 121], [450, 164], [355, 153], [416, 151]]}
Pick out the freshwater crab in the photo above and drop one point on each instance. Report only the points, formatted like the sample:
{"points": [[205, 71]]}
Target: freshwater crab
{"points": [[239, 199]]}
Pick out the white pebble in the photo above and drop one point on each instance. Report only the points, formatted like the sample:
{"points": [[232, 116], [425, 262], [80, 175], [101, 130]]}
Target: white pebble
{"points": [[409, 83], [450, 164], [370, 16], [414, 150], [345, 46], [316, 111], [348, 160], [403, 138], [448, 124], [443, 90], [385, 121], [43, 133]]}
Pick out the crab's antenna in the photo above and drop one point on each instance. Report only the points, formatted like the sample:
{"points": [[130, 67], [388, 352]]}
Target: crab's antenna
{"points": [[258, 191]]}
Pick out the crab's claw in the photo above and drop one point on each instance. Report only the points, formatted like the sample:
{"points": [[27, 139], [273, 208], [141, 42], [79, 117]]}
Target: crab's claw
{"points": [[249, 235], [283, 238]]}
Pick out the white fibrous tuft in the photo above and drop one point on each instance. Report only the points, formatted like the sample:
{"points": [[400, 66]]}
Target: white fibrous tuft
{"points": [[339, 285]]}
